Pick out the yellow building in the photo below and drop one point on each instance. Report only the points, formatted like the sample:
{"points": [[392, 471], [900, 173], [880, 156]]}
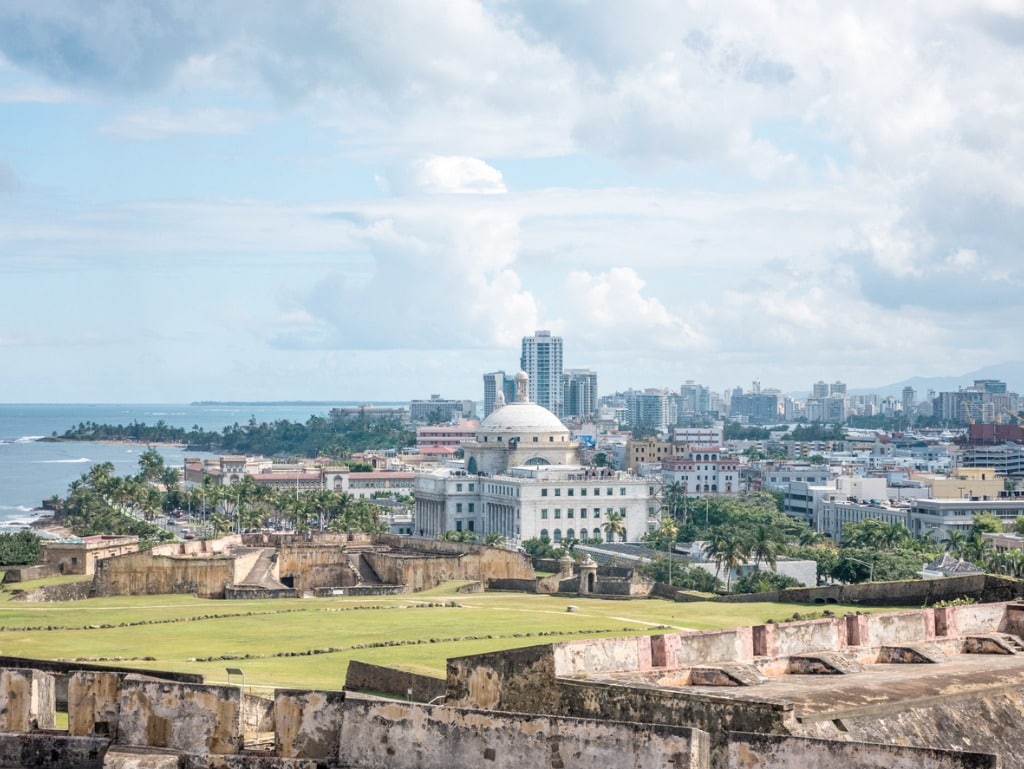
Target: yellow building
{"points": [[963, 483]]}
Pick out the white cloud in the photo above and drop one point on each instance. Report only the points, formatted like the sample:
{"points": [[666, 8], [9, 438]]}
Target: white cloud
{"points": [[458, 175]]}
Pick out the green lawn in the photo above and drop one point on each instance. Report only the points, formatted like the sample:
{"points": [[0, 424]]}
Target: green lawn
{"points": [[308, 643]]}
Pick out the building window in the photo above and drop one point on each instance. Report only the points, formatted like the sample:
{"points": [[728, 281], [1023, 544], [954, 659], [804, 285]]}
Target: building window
{"points": [[536, 439], [543, 492], [597, 512], [583, 512], [458, 487], [570, 492], [609, 491], [558, 492], [570, 513], [544, 513], [622, 491], [597, 492], [472, 486], [471, 524], [458, 526], [558, 536], [470, 509], [558, 512], [543, 533], [458, 507], [583, 492], [571, 533]]}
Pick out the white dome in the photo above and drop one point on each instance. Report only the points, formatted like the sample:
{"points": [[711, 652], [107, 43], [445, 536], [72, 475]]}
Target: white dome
{"points": [[522, 417]]}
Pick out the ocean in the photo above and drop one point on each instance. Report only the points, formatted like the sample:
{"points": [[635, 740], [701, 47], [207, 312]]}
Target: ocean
{"points": [[32, 470]]}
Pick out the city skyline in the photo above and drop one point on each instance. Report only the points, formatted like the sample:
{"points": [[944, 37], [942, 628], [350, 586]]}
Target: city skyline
{"points": [[378, 201]]}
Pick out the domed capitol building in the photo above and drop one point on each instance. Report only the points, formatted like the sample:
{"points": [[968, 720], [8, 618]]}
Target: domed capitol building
{"points": [[521, 477]]}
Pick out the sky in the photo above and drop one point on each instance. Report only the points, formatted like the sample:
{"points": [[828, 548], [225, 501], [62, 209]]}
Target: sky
{"points": [[312, 200]]}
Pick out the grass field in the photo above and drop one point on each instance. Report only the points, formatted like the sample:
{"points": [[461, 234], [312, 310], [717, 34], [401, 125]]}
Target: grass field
{"points": [[308, 643]]}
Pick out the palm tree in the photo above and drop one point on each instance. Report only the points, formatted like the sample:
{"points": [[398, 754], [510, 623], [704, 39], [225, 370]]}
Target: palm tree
{"points": [[955, 543], [614, 526], [727, 547], [494, 539], [765, 545]]}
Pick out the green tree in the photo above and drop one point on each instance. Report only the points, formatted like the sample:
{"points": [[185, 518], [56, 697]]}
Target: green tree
{"points": [[728, 548], [614, 527]]}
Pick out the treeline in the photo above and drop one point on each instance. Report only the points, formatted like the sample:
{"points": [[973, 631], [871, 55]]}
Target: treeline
{"points": [[814, 431], [334, 437]]}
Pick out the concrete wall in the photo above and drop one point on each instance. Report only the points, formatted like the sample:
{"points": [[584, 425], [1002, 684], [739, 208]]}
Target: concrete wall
{"points": [[182, 717], [768, 751], [392, 735]]}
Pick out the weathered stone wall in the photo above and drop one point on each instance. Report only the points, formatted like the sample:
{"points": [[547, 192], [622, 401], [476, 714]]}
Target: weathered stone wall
{"points": [[515, 585], [28, 700], [94, 704], [257, 713], [403, 736], [788, 638], [682, 649], [317, 564], [308, 724], [602, 655], [443, 564], [26, 573], [183, 717], [986, 588], [69, 591], [365, 677], [715, 715], [983, 720], [146, 574], [52, 751], [514, 680], [768, 751], [899, 627]]}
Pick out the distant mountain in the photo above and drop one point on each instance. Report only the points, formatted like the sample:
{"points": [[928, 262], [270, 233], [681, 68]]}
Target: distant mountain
{"points": [[1011, 372]]}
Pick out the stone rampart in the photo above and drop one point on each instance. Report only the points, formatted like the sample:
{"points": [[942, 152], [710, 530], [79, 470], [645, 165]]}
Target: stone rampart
{"points": [[600, 655], [681, 649], [772, 751], [182, 717], [308, 724], [402, 736], [145, 574], [68, 591], [986, 588], [366, 677]]}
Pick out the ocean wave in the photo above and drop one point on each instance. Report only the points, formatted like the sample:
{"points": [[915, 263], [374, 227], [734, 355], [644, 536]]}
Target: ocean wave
{"points": [[19, 508], [29, 438], [78, 461]]}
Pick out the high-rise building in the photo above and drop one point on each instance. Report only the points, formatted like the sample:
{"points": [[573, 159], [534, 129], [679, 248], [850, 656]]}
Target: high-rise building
{"points": [[579, 388], [650, 409], [542, 362], [495, 383], [837, 388], [696, 398], [819, 389]]}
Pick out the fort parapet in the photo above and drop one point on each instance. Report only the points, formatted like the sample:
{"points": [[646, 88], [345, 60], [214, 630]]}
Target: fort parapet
{"points": [[935, 688]]}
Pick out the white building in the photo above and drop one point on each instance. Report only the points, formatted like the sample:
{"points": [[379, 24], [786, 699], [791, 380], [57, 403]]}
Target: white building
{"points": [[705, 471], [521, 478]]}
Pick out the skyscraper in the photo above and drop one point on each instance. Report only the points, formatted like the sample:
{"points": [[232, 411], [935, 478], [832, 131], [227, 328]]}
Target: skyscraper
{"points": [[579, 388], [496, 382], [542, 361]]}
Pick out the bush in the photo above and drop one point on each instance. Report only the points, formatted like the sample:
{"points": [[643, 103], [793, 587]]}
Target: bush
{"points": [[763, 582], [19, 549]]}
